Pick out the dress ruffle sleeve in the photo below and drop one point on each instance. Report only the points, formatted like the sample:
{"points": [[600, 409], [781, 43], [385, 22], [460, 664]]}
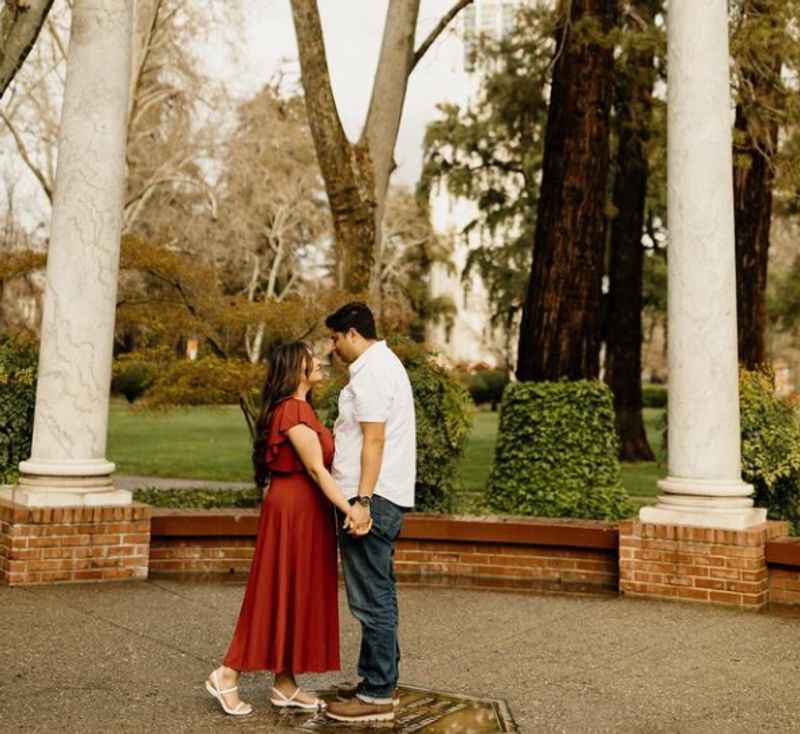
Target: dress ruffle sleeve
{"points": [[281, 456]]}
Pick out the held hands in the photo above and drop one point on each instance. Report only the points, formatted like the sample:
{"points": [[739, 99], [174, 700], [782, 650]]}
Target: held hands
{"points": [[358, 520]]}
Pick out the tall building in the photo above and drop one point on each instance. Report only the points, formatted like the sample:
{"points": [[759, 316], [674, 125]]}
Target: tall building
{"points": [[470, 339]]}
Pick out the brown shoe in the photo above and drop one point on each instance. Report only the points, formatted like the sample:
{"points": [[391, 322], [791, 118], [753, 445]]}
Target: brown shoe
{"points": [[347, 693], [356, 710]]}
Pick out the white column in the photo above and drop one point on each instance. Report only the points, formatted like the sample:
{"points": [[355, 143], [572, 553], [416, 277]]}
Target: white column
{"points": [[68, 464], [704, 486]]}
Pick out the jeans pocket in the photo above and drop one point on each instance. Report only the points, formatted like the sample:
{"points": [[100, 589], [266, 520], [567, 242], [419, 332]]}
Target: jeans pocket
{"points": [[387, 519]]}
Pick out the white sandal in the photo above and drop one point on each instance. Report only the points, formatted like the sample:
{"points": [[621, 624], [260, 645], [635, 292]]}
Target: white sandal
{"points": [[282, 702], [241, 708]]}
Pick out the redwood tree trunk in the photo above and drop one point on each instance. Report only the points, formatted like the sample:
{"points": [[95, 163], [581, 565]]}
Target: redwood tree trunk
{"points": [[560, 330], [754, 177], [634, 93]]}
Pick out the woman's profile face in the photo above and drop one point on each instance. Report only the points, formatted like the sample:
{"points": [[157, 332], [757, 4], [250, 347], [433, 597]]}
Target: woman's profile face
{"points": [[315, 374]]}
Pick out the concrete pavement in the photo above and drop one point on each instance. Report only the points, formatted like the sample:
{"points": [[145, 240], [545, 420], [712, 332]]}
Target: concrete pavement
{"points": [[132, 657]]}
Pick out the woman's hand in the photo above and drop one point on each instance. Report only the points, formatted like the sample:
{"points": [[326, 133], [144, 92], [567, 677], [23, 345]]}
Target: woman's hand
{"points": [[358, 520]]}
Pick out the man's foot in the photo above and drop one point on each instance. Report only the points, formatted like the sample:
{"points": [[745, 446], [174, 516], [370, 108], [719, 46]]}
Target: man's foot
{"points": [[355, 710], [345, 693]]}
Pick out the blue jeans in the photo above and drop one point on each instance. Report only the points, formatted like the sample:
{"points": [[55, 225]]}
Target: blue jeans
{"points": [[372, 597]]}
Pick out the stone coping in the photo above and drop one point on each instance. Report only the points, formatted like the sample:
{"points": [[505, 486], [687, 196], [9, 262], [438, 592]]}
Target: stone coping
{"points": [[168, 522]]}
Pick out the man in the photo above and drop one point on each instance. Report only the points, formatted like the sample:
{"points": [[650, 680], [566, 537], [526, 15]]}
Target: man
{"points": [[375, 465]]}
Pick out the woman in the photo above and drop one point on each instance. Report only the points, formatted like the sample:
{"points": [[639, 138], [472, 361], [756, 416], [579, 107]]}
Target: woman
{"points": [[289, 620]]}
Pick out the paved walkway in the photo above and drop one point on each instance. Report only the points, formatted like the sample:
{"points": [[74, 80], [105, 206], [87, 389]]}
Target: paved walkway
{"points": [[132, 657]]}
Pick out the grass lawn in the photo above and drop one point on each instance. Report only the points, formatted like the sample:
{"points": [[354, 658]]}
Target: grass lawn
{"points": [[213, 443], [194, 443]]}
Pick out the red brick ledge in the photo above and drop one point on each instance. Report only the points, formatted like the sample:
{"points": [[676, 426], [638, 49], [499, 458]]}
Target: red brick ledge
{"points": [[237, 523], [784, 552]]}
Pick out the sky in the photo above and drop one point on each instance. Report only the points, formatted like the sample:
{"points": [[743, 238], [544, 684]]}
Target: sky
{"points": [[352, 30]]}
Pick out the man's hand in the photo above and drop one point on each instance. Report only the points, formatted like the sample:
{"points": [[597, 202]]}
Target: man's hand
{"points": [[359, 521]]}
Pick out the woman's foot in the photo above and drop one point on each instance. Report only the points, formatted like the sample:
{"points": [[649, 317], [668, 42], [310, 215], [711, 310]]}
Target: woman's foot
{"points": [[287, 687], [223, 684]]}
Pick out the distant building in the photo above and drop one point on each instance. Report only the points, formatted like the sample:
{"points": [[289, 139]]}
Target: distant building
{"points": [[471, 339]]}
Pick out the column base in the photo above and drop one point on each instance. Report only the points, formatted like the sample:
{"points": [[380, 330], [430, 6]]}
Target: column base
{"points": [[698, 564], [704, 503], [704, 517], [47, 545], [66, 491]]}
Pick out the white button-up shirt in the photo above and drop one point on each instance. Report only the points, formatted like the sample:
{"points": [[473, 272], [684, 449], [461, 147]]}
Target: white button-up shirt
{"points": [[379, 391]]}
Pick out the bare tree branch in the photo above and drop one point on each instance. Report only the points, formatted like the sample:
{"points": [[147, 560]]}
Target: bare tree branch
{"points": [[23, 151], [437, 31], [20, 24]]}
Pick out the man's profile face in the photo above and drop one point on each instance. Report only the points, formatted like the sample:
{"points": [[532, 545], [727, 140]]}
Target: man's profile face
{"points": [[343, 345]]}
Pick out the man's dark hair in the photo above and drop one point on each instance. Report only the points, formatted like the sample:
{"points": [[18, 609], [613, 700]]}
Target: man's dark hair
{"points": [[356, 316]]}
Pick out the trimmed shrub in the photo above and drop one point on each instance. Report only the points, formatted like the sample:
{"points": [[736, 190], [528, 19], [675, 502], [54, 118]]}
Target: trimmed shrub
{"points": [[770, 447], [654, 396], [132, 378], [443, 412], [485, 386], [18, 367], [556, 453]]}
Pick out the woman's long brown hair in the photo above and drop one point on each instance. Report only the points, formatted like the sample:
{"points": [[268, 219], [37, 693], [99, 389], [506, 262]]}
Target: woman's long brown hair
{"points": [[284, 373]]}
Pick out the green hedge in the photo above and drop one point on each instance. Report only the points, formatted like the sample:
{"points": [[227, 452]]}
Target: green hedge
{"points": [[485, 386], [18, 366], [443, 412], [654, 396], [198, 498], [770, 447], [556, 453]]}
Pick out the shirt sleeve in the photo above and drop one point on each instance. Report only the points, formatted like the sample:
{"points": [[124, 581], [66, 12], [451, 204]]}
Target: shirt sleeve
{"points": [[373, 397]]}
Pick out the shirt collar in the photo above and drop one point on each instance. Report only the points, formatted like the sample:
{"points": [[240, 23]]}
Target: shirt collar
{"points": [[366, 355]]}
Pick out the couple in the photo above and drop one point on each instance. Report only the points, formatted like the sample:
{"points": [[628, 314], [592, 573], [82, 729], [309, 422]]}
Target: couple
{"points": [[289, 620]]}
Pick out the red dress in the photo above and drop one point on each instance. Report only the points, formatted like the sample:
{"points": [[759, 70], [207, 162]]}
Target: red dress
{"points": [[289, 619]]}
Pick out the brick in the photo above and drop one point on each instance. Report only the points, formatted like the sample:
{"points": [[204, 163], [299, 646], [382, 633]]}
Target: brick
{"points": [[706, 583], [136, 538], [725, 597], [724, 573], [693, 594]]}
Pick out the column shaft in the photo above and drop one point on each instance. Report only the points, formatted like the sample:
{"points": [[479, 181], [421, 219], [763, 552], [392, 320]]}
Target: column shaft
{"points": [[704, 485], [68, 463]]}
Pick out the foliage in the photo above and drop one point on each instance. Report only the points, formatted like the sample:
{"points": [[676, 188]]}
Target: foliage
{"points": [[654, 396], [556, 453], [443, 414], [485, 386], [490, 152], [206, 381], [132, 377], [770, 447], [410, 250], [199, 498], [18, 369]]}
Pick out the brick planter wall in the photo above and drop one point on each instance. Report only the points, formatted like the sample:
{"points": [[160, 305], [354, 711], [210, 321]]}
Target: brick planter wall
{"points": [[697, 564], [72, 544], [783, 557], [542, 555]]}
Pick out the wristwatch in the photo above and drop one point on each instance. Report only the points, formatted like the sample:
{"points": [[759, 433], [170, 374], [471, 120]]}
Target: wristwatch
{"points": [[364, 500]]}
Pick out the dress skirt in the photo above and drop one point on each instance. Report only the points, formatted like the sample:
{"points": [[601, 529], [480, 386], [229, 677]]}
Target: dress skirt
{"points": [[289, 620]]}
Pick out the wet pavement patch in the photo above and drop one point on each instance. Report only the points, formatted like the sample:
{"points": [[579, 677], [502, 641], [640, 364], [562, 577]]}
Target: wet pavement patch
{"points": [[421, 711]]}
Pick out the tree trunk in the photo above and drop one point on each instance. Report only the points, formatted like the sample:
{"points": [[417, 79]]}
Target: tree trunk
{"points": [[634, 92], [357, 175], [20, 23], [346, 169], [395, 63], [756, 142], [560, 330]]}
